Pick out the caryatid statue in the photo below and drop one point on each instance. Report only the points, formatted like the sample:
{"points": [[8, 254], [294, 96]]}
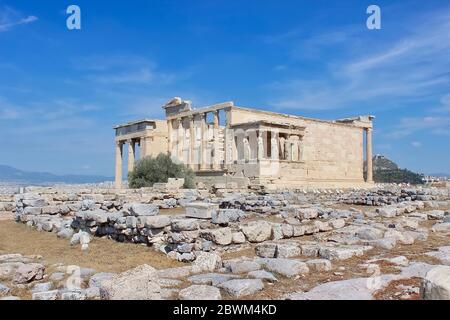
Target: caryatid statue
{"points": [[247, 149], [260, 146], [282, 140]]}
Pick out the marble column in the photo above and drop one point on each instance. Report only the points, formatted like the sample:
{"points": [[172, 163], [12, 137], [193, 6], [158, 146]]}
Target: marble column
{"points": [[294, 148], [191, 141], [180, 140], [301, 149], [288, 150], [247, 149], [169, 137], [203, 164], [369, 176], [234, 148], [226, 151], [142, 147], [239, 135], [131, 155], [118, 177], [216, 159], [282, 145]]}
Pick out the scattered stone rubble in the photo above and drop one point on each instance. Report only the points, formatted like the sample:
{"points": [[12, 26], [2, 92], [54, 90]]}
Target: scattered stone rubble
{"points": [[292, 233], [7, 205]]}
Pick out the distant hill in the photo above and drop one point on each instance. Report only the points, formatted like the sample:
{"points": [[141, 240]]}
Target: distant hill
{"points": [[387, 171], [381, 162], [397, 176], [10, 174]]}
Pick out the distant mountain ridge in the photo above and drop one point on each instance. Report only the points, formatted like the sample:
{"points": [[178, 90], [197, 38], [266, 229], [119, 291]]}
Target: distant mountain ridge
{"points": [[11, 174]]}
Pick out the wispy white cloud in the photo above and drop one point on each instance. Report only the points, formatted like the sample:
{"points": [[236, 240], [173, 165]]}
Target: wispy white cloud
{"points": [[121, 69], [402, 70], [430, 124], [55, 115], [10, 18], [301, 44]]}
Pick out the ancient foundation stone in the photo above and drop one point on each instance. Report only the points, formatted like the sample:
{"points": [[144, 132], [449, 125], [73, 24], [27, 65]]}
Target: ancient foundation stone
{"points": [[200, 210], [139, 283]]}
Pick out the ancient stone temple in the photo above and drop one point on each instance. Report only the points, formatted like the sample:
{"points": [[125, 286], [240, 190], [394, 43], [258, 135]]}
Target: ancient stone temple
{"points": [[224, 143]]}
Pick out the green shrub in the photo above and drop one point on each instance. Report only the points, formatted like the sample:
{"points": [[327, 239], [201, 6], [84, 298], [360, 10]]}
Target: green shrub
{"points": [[150, 170], [397, 176]]}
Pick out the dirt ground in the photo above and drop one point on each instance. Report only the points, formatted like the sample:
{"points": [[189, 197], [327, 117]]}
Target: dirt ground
{"points": [[102, 255], [394, 290], [6, 215]]}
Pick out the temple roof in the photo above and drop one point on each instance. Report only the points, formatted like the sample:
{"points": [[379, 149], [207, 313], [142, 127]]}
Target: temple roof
{"points": [[136, 122]]}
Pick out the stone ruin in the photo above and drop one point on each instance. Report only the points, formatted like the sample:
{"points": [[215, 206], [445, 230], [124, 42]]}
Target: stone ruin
{"points": [[197, 226], [210, 222]]}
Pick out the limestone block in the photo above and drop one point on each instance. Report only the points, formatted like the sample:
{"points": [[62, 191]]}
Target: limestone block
{"points": [[319, 264], [238, 237], [200, 292], [220, 236], [285, 267], [201, 210], [143, 209], [436, 285], [29, 272], [140, 283], [175, 183], [257, 231], [242, 287], [206, 261]]}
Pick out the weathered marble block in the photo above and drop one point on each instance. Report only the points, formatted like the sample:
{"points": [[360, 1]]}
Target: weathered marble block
{"points": [[175, 183], [200, 210]]}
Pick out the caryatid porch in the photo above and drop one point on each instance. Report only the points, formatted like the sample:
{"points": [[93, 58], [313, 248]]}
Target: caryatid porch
{"points": [[205, 145]]}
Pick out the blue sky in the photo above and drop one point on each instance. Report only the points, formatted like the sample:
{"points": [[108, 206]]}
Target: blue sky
{"points": [[62, 91]]}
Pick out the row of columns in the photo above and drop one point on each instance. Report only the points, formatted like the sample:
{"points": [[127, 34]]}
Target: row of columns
{"points": [[283, 151], [369, 173], [119, 158], [192, 136], [281, 148]]}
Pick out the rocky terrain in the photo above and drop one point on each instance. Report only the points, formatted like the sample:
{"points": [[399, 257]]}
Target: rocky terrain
{"points": [[389, 242]]}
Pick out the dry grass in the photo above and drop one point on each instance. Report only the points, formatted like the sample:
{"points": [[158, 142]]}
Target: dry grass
{"points": [[393, 292], [248, 252], [102, 255]]}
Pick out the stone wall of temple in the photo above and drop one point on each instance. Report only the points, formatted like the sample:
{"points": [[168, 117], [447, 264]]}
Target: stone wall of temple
{"points": [[332, 152]]}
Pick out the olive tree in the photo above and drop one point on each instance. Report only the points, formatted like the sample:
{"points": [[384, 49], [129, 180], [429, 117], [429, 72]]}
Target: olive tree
{"points": [[150, 170]]}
